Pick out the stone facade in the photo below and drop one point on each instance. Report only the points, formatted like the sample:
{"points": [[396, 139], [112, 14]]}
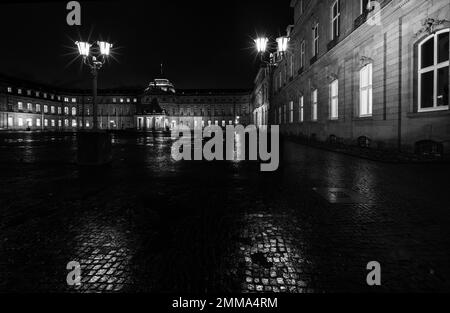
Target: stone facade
{"points": [[29, 106], [322, 87]]}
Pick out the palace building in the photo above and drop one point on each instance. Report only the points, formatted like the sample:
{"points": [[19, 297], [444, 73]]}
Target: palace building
{"points": [[375, 72], [29, 106]]}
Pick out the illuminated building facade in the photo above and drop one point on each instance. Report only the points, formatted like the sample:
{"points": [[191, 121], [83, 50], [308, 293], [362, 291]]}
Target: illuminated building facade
{"points": [[29, 106], [366, 71]]}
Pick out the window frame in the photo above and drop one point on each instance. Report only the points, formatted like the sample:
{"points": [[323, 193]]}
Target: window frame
{"points": [[369, 88], [314, 104], [336, 18], [315, 37], [334, 97], [433, 68], [301, 112]]}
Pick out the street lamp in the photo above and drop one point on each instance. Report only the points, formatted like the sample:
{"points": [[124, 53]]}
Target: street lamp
{"points": [[95, 60], [282, 43], [94, 147], [263, 45]]}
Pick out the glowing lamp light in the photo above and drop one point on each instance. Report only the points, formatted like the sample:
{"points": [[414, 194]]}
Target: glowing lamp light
{"points": [[83, 48], [282, 44], [105, 47], [261, 44]]}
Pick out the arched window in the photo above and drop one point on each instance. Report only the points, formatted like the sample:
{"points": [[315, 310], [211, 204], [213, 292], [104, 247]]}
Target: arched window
{"points": [[433, 65]]}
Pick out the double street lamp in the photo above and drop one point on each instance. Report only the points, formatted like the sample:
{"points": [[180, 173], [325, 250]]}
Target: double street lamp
{"points": [[94, 56], [263, 45]]}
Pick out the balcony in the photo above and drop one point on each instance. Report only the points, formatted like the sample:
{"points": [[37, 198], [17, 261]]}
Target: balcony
{"points": [[313, 60], [362, 18]]}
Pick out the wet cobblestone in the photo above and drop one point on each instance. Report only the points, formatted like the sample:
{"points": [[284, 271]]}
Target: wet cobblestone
{"points": [[148, 224]]}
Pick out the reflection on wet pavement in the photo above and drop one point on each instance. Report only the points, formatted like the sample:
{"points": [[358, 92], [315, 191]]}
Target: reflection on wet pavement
{"points": [[148, 223]]}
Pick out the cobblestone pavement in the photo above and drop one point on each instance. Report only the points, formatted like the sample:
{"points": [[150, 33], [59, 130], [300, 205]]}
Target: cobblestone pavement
{"points": [[149, 224]]}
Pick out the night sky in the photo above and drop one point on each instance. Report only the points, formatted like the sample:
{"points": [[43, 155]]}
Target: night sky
{"points": [[202, 44]]}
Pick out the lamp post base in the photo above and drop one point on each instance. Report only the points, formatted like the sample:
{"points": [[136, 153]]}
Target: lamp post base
{"points": [[94, 148]]}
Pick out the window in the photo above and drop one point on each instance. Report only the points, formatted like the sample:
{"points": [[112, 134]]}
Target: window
{"points": [[52, 109], [134, 100], [53, 123], [29, 122], [334, 100], [20, 121], [37, 93], [335, 19], [128, 100], [38, 108], [10, 121], [45, 95], [114, 100], [433, 72], [66, 110], [45, 108], [66, 99], [59, 110], [74, 100], [19, 91], [315, 39], [121, 100], [302, 54], [20, 105], [314, 105], [46, 122], [59, 123], [29, 106], [301, 109], [9, 89], [365, 91], [66, 122], [87, 123], [29, 92], [291, 65], [38, 122], [74, 123], [74, 111], [291, 112]]}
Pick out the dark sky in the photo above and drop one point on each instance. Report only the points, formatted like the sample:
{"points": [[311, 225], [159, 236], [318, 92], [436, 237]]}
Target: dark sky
{"points": [[203, 44]]}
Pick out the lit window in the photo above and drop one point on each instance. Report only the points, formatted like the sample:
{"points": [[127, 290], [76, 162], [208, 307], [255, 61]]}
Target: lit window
{"points": [[38, 108], [334, 100], [19, 91], [66, 99], [45, 122], [10, 122], [335, 19], [315, 36], [314, 105], [74, 123], [433, 72], [37, 93], [66, 123], [134, 100], [74, 111], [87, 123], [38, 122], [365, 103], [74, 100], [121, 100], [20, 121], [29, 92], [114, 100], [301, 109], [20, 105], [45, 95], [224, 123], [59, 123], [9, 89], [128, 100], [52, 109], [53, 123], [291, 112], [45, 109], [66, 110], [29, 106], [29, 122], [59, 98]]}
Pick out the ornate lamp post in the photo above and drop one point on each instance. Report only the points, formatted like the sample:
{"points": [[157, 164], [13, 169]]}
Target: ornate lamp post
{"points": [[94, 147], [95, 63]]}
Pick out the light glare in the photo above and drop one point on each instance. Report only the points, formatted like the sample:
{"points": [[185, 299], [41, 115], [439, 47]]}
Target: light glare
{"points": [[83, 48], [105, 47], [261, 44], [282, 44]]}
